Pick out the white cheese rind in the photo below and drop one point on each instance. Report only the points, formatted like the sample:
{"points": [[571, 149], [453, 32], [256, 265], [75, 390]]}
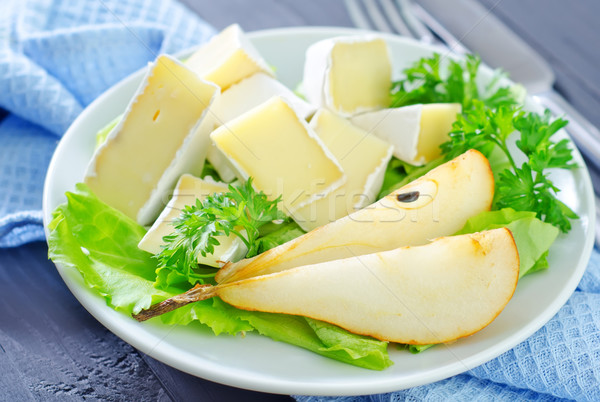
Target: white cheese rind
{"points": [[364, 159], [187, 190], [316, 67], [398, 126], [375, 179], [163, 134], [278, 149], [251, 92], [321, 70], [415, 131], [220, 163], [228, 58]]}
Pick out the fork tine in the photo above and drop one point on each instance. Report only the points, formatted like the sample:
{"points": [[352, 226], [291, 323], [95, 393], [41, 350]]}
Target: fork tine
{"points": [[395, 18], [376, 16], [414, 24], [357, 15], [450, 40]]}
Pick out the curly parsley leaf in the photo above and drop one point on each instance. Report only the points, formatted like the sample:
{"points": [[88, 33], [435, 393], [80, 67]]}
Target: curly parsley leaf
{"points": [[526, 187], [427, 82], [529, 186], [240, 211], [480, 128], [536, 131]]}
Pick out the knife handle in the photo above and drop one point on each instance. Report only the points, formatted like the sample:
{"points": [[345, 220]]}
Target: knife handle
{"points": [[585, 135]]}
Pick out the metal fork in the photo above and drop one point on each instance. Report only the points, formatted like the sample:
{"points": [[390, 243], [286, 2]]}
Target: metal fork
{"points": [[408, 18], [403, 17]]}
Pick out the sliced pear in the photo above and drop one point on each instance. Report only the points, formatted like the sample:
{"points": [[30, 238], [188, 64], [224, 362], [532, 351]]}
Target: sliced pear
{"points": [[439, 292], [434, 293], [437, 204]]}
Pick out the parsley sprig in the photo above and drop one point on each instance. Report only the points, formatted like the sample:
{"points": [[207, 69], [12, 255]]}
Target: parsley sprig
{"points": [[526, 187], [240, 211], [427, 82]]}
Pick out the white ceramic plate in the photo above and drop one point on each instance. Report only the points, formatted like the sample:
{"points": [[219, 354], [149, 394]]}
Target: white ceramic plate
{"points": [[259, 363]]}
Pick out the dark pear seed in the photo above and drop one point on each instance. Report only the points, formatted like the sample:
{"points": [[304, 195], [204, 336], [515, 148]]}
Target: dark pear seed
{"points": [[408, 197]]}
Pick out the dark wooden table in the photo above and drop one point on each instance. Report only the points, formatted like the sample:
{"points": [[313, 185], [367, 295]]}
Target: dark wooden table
{"points": [[51, 348]]}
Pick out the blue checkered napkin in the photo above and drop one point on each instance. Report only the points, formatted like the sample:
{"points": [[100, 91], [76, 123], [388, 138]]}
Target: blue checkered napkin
{"points": [[56, 56]]}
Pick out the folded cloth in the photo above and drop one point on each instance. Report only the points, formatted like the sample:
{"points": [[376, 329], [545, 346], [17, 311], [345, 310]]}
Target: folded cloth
{"points": [[560, 361], [56, 56]]}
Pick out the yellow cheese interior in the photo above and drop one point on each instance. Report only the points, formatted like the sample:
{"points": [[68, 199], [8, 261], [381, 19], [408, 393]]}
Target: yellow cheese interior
{"points": [[131, 162], [189, 188], [272, 145], [237, 66], [436, 123], [359, 154], [360, 76], [226, 59]]}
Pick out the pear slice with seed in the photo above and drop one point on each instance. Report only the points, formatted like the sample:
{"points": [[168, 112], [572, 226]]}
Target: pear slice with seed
{"points": [[437, 204]]}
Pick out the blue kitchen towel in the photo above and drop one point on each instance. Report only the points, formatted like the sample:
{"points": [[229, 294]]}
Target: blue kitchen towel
{"points": [[56, 56]]}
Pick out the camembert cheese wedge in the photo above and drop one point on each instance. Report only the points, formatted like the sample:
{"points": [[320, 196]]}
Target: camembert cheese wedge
{"points": [[415, 131], [348, 74], [276, 147], [240, 98], [188, 189], [163, 134], [227, 58], [364, 159]]}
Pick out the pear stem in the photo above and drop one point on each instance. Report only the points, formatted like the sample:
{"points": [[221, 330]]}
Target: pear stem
{"points": [[197, 293]]}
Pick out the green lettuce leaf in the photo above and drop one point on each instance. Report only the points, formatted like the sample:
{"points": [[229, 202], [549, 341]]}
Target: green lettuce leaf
{"points": [[532, 236], [414, 349], [394, 174], [371, 352], [209, 170], [101, 243], [322, 338], [278, 235], [104, 131]]}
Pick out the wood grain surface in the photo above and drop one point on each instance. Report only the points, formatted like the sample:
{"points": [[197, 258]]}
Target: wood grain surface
{"points": [[52, 349]]}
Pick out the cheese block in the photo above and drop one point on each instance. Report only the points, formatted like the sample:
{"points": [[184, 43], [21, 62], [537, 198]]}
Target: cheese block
{"points": [[364, 159], [243, 96], [227, 58], [188, 189], [348, 74], [415, 131], [163, 134], [276, 147]]}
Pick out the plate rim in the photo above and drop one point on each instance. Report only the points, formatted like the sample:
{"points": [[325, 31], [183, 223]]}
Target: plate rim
{"points": [[106, 314]]}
